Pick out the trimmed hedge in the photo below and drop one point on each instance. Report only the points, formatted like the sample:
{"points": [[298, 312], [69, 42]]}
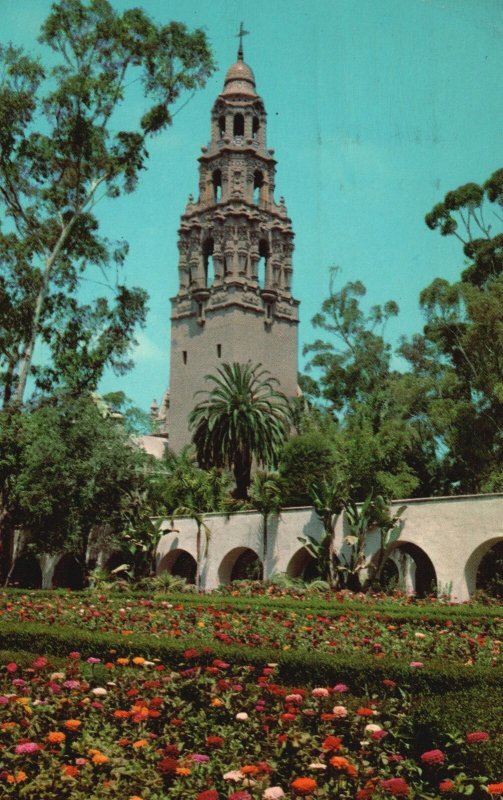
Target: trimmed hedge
{"points": [[299, 667]]}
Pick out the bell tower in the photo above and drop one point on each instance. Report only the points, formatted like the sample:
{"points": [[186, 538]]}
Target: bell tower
{"points": [[235, 258]]}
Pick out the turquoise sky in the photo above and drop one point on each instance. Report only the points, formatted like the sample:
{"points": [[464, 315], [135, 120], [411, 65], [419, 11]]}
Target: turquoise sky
{"points": [[376, 108]]}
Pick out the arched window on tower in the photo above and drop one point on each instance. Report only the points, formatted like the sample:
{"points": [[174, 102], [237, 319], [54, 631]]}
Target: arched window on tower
{"points": [[209, 272], [239, 125], [258, 182], [217, 185], [255, 127], [263, 251], [221, 126]]}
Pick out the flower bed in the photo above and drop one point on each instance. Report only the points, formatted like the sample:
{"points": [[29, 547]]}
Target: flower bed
{"points": [[460, 638], [208, 729]]}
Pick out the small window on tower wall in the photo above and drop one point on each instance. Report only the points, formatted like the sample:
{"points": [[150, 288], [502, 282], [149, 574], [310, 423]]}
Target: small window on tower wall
{"points": [[184, 356], [219, 350]]}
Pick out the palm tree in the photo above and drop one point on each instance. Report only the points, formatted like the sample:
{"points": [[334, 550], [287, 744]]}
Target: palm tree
{"points": [[243, 417], [266, 493]]}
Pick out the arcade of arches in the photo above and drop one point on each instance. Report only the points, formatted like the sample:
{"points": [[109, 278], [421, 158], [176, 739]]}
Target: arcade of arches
{"points": [[451, 545]]}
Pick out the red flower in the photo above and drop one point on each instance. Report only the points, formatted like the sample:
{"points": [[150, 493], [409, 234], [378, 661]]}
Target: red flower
{"points": [[214, 741], [168, 766], [365, 712], [433, 757], [446, 786], [208, 794], [477, 736], [332, 743], [495, 789], [398, 787]]}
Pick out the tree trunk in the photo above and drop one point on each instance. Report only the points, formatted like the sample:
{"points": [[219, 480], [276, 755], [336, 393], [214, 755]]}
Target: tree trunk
{"points": [[264, 544], [242, 475]]}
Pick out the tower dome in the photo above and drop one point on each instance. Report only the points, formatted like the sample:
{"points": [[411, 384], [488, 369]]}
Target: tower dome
{"points": [[239, 80]]}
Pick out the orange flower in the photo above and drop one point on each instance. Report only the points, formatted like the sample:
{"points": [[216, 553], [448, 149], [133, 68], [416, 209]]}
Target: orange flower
{"points": [[249, 769], [495, 789], [123, 662], [140, 743], [70, 770], [182, 771], [138, 660], [216, 702], [338, 762], [73, 724], [6, 726], [18, 777], [100, 758], [120, 714], [303, 786], [56, 737]]}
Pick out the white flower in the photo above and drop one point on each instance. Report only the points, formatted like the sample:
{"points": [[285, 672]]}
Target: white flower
{"points": [[57, 676], [242, 716], [317, 765], [372, 727], [273, 793], [234, 775], [99, 691]]}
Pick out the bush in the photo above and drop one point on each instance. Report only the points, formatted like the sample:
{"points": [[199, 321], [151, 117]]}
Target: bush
{"points": [[438, 721]]}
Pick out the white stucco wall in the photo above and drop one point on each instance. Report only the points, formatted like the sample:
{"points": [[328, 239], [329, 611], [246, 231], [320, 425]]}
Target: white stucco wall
{"points": [[454, 532]]}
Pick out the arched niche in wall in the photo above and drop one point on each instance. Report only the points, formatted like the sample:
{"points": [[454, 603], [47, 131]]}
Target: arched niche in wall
{"points": [[27, 573], [209, 270]]}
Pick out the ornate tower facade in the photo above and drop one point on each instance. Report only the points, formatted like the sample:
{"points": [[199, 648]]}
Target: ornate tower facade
{"points": [[235, 259]]}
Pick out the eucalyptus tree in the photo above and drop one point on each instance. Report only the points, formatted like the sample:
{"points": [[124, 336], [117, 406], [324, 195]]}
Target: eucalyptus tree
{"points": [[460, 355], [71, 134], [242, 417]]}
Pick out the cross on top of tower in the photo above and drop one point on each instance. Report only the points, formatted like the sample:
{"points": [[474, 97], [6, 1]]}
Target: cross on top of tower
{"points": [[240, 34]]}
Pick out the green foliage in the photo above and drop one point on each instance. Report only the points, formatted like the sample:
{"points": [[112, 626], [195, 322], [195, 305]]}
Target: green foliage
{"points": [[70, 474], [306, 458], [459, 357], [63, 148], [242, 418], [380, 439], [439, 721]]}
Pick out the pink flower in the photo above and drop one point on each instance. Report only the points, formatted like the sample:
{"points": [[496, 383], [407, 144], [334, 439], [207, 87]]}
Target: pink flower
{"points": [[340, 687], [27, 748], [40, 662], [433, 757], [93, 660], [320, 692], [11, 666], [340, 711], [273, 793], [416, 664], [477, 736]]}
